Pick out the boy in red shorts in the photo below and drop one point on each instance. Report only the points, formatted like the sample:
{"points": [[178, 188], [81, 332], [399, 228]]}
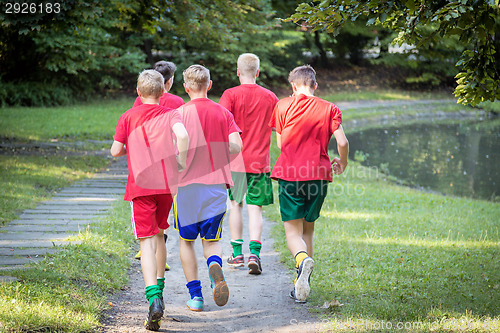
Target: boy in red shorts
{"points": [[304, 125], [150, 206], [167, 69], [200, 204], [252, 107]]}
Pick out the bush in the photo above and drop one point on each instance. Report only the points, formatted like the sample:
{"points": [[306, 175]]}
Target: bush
{"points": [[34, 94]]}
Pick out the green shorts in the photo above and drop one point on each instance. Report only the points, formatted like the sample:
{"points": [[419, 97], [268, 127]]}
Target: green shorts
{"points": [[301, 199], [257, 187]]}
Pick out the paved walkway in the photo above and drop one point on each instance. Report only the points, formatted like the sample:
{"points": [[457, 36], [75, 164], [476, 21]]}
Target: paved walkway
{"points": [[38, 231]]}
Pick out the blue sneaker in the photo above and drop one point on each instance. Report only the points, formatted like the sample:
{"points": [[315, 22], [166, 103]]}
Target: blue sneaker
{"points": [[195, 303], [219, 286]]}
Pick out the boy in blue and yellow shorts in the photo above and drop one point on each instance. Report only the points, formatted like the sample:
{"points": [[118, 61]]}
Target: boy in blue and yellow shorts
{"points": [[200, 204]]}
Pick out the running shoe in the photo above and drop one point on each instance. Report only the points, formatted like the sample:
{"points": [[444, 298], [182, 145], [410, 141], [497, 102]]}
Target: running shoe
{"points": [[195, 303], [138, 255], [153, 321], [254, 266], [219, 286], [238, 261], [302, 287], [292, 295]]}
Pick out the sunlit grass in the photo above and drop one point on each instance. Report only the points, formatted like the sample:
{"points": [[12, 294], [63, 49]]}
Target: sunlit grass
{"points": [[389, 253], [26, 180], [94, 121], [67, 291], [380, 95]]}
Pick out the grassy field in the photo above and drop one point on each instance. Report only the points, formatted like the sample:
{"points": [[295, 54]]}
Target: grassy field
{"points": [[391, 254], [68, 291]]}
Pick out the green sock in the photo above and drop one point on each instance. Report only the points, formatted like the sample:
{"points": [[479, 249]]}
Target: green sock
{"points": [[153, 292], [255, 247], [160, 282], [237, 245]]}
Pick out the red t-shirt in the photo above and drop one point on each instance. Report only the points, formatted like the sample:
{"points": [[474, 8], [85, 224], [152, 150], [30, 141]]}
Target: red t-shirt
{"points": [[252, 107], [306, 125], [208, 125], [146, 131], [169, 100]]}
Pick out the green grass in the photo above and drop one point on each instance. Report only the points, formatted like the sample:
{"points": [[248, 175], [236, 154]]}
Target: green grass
{"points": [[26, 180], [67, 291], [393, 254], [94, 121], [380, 95]]}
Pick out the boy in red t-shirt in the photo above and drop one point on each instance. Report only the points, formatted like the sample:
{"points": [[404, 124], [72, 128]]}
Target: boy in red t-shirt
{"points": [[136, 133], [252, 107], [167, 69], [304, 125], [200, 204]]}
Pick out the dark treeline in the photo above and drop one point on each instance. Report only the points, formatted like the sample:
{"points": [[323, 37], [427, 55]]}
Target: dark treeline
{"points": [[72, 50]]}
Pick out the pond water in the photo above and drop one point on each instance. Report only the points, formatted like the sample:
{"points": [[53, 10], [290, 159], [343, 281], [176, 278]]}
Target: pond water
{"points": [[457, 158]]}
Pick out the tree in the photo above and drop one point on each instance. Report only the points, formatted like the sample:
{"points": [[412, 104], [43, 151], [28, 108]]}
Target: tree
{"points": [[474, 22]]}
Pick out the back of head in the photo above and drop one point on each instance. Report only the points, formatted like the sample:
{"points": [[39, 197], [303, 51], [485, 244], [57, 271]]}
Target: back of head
{"points": [[248, 64], [303, 76], [166, 68], [197, 77], [150, 83]]}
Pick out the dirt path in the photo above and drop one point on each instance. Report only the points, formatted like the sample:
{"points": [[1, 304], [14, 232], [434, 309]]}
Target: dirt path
{"points": [[256, 303]]}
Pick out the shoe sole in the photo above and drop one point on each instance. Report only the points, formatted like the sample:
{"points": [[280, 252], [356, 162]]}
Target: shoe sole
{"points": [[302, 287], [155, 322], [236, 265], [194, 309], [296, 300], [221, 291], [253, 268]]}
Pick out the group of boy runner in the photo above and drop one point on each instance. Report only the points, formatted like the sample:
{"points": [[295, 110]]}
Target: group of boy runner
{"points": [[191, 157]]}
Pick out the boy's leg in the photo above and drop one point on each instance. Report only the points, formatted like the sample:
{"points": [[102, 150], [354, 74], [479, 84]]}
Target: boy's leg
{"points": [[212, 252], [153, 291], [161, 255], [236, 228], [188, 260], [307, 236], [255, 232], [296, 234]]}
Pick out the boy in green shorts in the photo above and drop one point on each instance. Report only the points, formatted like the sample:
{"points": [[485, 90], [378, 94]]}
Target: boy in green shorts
{"points": [[304, 125], [252, 107]]}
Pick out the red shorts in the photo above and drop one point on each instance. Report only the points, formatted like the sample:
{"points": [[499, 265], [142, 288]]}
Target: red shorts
{"points": [[150, 213]]}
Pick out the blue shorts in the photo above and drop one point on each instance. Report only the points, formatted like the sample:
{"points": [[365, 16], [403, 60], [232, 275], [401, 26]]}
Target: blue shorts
{"points": [[199, 210]]}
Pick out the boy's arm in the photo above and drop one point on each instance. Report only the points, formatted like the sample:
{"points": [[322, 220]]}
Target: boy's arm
{"points": [[278, 140], [235, 143], [339, 164], [182, 144], [118, 149]]}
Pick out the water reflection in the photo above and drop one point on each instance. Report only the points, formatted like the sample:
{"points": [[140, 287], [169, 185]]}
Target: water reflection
{"points": [[452, 158]]}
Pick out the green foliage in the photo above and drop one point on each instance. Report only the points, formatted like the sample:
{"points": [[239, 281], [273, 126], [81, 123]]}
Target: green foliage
{"points": [[34, 94], [473, 22]]}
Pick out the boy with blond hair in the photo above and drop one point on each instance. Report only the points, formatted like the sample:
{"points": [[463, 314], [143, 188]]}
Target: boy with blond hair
{"points": [[304, 125], [167, 70], [252, 107], [150, 206], [200, 204]]}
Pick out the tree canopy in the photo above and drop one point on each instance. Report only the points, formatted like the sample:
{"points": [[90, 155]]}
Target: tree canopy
{"points": [[421, 23]]}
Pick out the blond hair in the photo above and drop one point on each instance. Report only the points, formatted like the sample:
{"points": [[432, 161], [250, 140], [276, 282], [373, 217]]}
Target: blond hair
{"points": [[248, 64], [303, 76], [150, 83], [197, 77]]}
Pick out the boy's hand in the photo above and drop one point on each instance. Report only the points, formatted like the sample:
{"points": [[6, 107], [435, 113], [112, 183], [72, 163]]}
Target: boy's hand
{"points": [[338, 165]]}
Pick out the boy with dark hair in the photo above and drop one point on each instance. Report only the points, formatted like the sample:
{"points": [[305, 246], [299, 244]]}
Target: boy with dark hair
{"points": [[167, 69], [304, 125], [252, 107], [150, 206], [200, 204]]}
